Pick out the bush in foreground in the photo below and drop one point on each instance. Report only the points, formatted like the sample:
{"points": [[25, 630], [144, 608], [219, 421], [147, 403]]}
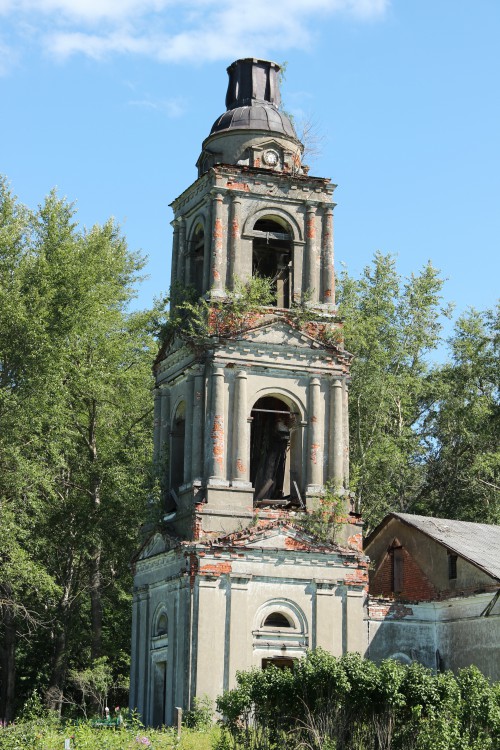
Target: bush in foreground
{"points": [[350, 703]]}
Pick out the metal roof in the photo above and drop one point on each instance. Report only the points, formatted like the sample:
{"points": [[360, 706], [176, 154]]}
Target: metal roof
{"points": [[258, 116], [479, 543]]}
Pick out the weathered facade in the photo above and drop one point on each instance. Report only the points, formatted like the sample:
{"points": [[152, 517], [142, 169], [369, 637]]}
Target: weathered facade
{"points": [[435, 593], [249, 426]]}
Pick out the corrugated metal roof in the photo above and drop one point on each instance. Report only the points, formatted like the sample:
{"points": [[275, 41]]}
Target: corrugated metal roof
{"points": [[479, 543]]}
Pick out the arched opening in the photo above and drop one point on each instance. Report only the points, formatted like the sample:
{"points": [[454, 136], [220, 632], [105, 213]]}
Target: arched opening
{"points": [[177, 451], [273, 470], [272, 257], [162, 625], [198, 254], [277, 620]]}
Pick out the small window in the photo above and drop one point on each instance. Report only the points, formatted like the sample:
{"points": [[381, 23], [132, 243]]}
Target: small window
{"points": [[276, 620], [397, 569], [162, 626], [452, 566]]}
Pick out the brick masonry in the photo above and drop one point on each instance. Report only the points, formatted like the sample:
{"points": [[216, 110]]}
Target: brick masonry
{"points": [[416, 586]]}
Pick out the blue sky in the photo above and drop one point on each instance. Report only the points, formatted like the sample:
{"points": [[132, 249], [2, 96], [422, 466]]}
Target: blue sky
{"points": [[109, 100]]}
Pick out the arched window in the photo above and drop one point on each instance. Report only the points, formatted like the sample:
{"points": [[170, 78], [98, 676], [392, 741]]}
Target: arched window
{"points": [[162, 625], [277, 620], [177, 451], [272, 257], [274, 457]]}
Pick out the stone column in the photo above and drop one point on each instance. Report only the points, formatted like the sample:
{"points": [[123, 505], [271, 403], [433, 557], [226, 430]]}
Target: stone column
{"points": [[217, 437], [164, 423], [181, 262], [156, 427], [315, 436], [312, 284], [198, 400], [235, 269], [240, 432], [134, 661], [327, 253], [175, 252], [346, 435], [337, 433], [298, 272], [216, 281], [207, 247], [143, 630], [188, 432]]}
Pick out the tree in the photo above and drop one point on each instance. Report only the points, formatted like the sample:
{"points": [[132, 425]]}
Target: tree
{"points": [[463, 471], [75, 436], [390, 326]]}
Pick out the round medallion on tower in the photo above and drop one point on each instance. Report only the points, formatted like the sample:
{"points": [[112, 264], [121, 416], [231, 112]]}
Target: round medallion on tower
{"points": [[270, 157], [239, 136]]}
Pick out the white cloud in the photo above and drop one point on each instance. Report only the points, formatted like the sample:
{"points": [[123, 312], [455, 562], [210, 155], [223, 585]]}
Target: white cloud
{"points": [[171, 107], [192, 30], [8, 58]]}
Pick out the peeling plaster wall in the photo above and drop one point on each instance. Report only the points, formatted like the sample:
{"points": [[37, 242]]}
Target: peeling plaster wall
{"points": [[217, 601], [449, 634]]}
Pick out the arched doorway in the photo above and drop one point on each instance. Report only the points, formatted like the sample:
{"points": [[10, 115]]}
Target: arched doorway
{"points": [[272, 257], [273, 451]]}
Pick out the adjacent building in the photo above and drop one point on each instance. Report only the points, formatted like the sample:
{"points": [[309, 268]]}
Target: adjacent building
{"points": [[434, 592]]}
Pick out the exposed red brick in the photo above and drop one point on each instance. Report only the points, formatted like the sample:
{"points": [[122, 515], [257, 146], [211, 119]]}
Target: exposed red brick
{"points": [[311, 227], [295, 544], [356, 541], [215, 568], [193, 568], [218, 440], [314, 452], [381, 609], [358, 577], [239, 186], [416, 585]]}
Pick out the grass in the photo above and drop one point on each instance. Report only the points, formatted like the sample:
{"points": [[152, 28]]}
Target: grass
{"points": [[51, 735]]}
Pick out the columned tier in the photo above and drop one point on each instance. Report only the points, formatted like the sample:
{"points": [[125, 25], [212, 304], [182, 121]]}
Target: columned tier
{"points": [[234, 224], [259, 424]]}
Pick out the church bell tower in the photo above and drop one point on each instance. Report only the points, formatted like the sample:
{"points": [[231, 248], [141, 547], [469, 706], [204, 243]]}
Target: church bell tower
{"points": [[251, 421], [258, 418]]}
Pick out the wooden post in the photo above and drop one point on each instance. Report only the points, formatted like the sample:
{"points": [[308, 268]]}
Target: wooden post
{"points": [[178, 720]]}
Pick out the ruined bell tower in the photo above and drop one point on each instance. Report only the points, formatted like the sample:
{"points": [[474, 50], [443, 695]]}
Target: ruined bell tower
{"points": [[251, 424], [260, 415]]}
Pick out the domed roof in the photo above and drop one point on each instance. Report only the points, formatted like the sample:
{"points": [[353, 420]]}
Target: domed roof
{"points": [[258, 116], [253, 99]]}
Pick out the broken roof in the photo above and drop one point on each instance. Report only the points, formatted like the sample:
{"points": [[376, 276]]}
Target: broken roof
{"points": [[479, 543]]}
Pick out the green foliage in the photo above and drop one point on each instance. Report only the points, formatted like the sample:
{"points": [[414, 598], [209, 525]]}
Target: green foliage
{"points": [[94, 683], [349, 703], [391, 325], [43, 734], [463, 468], [201, 716], [197, 320], [325, 520], [75, 442]]}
